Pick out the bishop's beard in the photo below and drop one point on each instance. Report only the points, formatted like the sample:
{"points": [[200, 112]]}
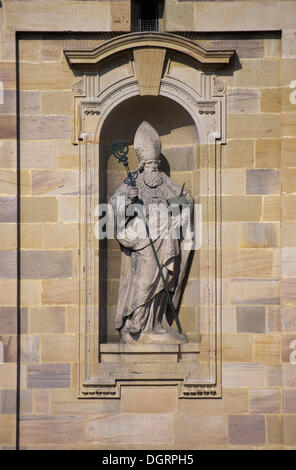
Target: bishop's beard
{"points": [[152, 178]]}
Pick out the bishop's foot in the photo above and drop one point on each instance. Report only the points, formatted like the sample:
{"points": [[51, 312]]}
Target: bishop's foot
{"points": [[163, 336]]}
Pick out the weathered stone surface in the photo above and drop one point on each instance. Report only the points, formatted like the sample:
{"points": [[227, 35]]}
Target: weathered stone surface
{"points": [[288, 375], [64, 236], [274, 425], [233, 182], [37, 154], [289, 401], [8, 402], [288, 42], [47, 320], [233, 401], [288, 180], [188, 319], [7, 429], [8, 320], [242, 100], [288, 261], [254, 291], [54, 182], [32, 236], [49, 376], [31, 292], [259, 235], [287, 318], [271, 208], [7, 126], [8, 154], [131, 429], [288, 71], [270, 100], [65, 401], [265, 401], [268, 153], [29, 102], [120, 16], [67, 155], [250, 319], [230, 234], [267, 349], [238, 154], [263, 182], [51, 50], [41, 127], [68, 209], [8, 236], [288, 148], [92, 16], [254, 126], [286, 103], [60, 291], [288, 124], [247, 429], [253, 47], [30, 348], [241, 208], [180, 158], [237, 348], [247, 263], [56, 102], [148, 400], [289, 207], [42, 401], [46, 264], [29, 50], [8, 45], [8, 75], [196, 291], [273, 318], [289, 423], [8, 209], [8, 377], [256, 74], [8, 264], [188, 430], [51, 429], [289, 290], [59, 348], [242, 375], [8, 182], [228, 319], [38, 209]]}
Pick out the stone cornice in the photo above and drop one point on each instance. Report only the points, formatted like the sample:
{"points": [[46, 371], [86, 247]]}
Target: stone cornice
{"points": [[149, 39]]}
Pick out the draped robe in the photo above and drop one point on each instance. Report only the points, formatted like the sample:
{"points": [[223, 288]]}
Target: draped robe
{"points": [[142, 301]]}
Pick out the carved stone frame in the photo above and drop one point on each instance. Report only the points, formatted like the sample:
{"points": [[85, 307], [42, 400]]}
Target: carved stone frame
{"points": [[91, 106]]}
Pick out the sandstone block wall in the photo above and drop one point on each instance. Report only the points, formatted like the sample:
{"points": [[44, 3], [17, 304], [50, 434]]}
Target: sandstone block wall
{"points": [[258, 408]]}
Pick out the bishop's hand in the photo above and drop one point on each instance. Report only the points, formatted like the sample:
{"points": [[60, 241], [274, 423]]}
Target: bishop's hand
{"points": [[133, 193]]}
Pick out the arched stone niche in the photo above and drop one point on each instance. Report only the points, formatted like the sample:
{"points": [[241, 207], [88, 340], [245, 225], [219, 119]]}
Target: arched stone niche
{"points": [[110, 82]]}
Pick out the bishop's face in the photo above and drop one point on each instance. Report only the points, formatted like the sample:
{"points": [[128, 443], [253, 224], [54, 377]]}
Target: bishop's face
{"points": [[151, 175]]}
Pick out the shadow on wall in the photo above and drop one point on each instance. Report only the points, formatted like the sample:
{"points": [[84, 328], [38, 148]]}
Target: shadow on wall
{"points": [[172, 122]]}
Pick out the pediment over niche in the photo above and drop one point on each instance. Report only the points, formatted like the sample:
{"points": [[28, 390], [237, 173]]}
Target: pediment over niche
{"points": [[142, 64], [152, 40]]}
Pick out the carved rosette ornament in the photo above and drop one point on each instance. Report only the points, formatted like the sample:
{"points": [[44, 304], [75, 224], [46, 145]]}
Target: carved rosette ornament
{"points": [[141, 64]]}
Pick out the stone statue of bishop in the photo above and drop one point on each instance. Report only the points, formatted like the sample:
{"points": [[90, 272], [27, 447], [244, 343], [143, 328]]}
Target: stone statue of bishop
{"points": [[143, 314]]}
